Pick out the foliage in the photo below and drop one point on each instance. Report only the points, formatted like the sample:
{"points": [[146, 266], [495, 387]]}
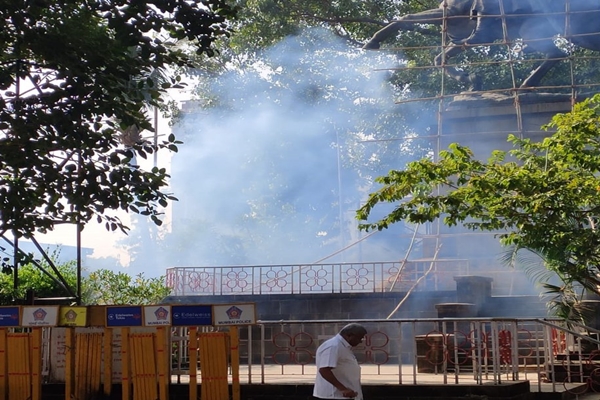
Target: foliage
{"points": [[75, 79], [542, 196], [101, 286], [109, 287], [33, 278]]}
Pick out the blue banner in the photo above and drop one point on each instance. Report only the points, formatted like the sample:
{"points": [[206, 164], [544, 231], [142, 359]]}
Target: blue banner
{"points": [[124, 316], [191, 315], [9, 316]]}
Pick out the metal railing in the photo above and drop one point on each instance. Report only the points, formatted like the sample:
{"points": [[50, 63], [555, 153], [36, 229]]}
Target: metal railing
{"points": [[443, 351], [315, 278]]}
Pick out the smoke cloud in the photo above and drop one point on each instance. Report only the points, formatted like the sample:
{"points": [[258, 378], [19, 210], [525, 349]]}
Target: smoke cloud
{"points": [[278, 156], [277, 161]]}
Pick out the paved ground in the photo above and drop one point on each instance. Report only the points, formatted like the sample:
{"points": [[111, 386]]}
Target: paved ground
{"points": [[394, 375]]}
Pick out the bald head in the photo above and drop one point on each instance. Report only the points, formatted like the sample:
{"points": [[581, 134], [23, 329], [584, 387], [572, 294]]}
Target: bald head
{"points": [[353, 334], [353, 329]]}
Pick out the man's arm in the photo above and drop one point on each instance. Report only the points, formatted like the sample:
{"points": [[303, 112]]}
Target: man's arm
{"points": [[327, 374]]}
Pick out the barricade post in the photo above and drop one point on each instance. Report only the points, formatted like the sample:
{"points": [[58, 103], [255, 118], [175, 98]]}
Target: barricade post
{"points": [[234, 342], [69, 363], [125, 368], [193, 352], [163, 362], [3, 364], [108, 365]]}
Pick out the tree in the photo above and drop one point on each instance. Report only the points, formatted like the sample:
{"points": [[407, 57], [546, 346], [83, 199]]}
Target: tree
{"points": [[541, 196], [39, 283], [102, 286], [75, 78], [110, 288]]}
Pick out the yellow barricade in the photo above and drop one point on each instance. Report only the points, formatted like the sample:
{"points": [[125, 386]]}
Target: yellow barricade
{"points": [[88, 364], [22, 380], [144, 374], [213, 348]]}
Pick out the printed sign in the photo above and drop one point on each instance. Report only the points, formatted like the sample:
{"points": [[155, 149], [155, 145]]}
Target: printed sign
{"points": [[157, 315], [234, 314], [9, 316], [39, 316], [72, 316], [124, 316], [192, 315]]}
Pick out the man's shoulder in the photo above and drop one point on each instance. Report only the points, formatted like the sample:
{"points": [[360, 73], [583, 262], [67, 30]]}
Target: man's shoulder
{"points": [[331, 342]]}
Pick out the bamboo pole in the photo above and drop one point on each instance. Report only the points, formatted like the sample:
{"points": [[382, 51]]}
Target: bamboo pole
{"points": [[153, 381], [80, 351], [205, 369], [3, 365], [135, 366], [35, 339], [234, 348], [19, 374], [162, 363], [86, 364], [145, 368], [69, 363], [193, 356], [125, 364], [224, 382], [108, 361], [97, 367], [213, 361]]}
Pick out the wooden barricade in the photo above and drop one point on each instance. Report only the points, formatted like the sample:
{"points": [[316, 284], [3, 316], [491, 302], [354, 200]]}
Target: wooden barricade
{"points": [[3, 364], [23, 374], [147, 365], [143, 367], [88, 364], [89, 354], [213, 348], [19, 369]]}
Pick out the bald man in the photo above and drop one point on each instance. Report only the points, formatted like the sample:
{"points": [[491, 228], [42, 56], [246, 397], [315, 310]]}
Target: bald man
{"points": [[338, 372]]}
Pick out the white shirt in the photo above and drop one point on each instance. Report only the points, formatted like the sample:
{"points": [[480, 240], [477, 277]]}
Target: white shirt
{"points": [[337, 354]]}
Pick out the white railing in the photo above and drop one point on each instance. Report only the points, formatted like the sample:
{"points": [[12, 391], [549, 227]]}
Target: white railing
{"points": [[316, 278], [425, 351]]}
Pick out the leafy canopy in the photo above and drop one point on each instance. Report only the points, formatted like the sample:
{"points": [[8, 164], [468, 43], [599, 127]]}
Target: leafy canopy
{"points": [[108, 287], [542, 196], [75, 80]]}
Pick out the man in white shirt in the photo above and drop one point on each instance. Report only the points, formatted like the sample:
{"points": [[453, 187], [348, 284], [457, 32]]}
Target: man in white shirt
{"points": [[338, 372]]}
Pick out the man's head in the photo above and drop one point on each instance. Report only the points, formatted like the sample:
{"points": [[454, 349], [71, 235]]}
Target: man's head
{"points": [[353, 333]]}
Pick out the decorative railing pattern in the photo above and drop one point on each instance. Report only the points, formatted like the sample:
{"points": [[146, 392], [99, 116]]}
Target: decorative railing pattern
{"points": [[315, 278]]}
